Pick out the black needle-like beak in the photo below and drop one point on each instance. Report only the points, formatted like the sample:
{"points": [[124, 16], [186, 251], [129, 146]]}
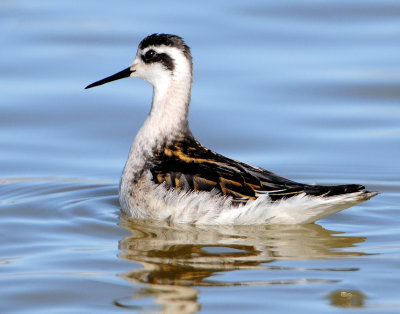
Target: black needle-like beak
{"points": [[122, 74]]}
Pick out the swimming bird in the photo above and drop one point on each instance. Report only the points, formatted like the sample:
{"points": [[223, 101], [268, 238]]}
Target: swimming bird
{"points": [[170, 176]]}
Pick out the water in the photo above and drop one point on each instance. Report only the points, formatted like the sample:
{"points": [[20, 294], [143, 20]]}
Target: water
{"points": [[309, 90]]}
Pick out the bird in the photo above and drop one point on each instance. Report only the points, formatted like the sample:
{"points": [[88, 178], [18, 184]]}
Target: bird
{"points": [[170, 176]]}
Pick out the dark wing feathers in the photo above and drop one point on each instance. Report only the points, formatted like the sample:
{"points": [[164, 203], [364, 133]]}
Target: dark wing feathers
{"points": [[187, 165]]}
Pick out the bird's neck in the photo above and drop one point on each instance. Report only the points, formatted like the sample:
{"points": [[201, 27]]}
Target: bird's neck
{"points": [[169, 112], [168, 118]]}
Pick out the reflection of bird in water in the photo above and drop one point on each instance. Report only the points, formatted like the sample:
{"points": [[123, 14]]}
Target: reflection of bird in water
{"points": [[176, 259], [170, 176]]}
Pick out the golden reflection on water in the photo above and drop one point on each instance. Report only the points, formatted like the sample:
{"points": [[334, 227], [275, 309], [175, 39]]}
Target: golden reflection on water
{"points": [[177, 258]]}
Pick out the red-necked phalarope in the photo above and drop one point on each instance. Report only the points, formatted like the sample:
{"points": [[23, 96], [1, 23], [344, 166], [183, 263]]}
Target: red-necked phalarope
{"points": [[170, 176]]}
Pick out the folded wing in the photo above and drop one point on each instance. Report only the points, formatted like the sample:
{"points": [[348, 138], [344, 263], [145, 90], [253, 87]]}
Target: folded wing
{"points": [[188, 165]]}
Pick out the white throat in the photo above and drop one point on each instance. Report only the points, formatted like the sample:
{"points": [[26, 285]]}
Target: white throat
{"points": [[168, 117]]}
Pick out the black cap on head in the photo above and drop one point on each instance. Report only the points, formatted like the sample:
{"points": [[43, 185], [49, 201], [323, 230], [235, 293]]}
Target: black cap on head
{"points": [[166, 40]]}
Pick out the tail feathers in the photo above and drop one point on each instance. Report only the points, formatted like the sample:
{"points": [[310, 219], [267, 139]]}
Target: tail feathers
{"points": [[326, 190], [322, 191]]}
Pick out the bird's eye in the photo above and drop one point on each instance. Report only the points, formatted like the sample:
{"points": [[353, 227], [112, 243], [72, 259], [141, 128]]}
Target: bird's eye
{"points": [[149, 55]]}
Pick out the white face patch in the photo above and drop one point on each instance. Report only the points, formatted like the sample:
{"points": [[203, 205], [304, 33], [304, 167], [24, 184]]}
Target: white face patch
{"points": [[157, 73]]}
